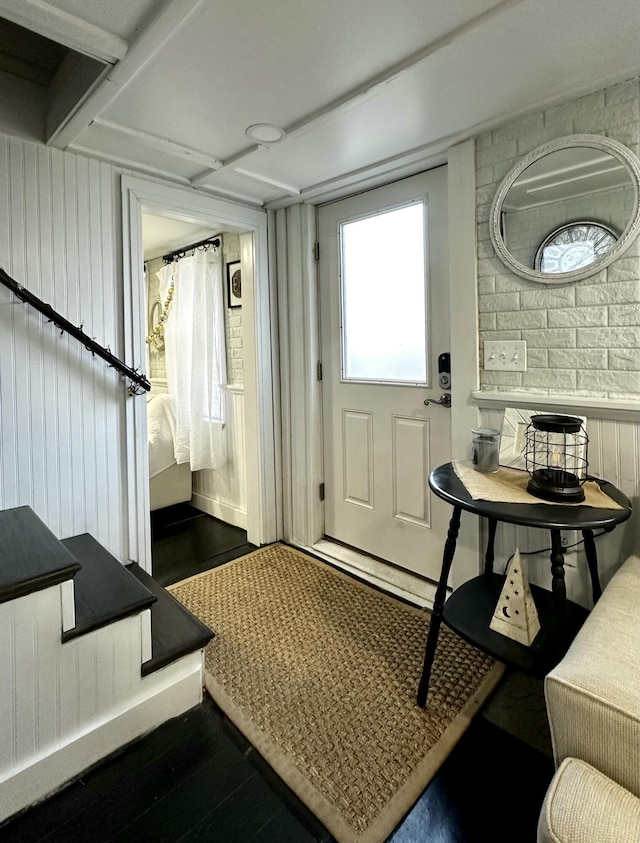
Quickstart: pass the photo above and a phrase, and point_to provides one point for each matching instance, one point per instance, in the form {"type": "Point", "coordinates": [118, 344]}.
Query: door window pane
{"type": "Point", "coordinates": [383, 281]}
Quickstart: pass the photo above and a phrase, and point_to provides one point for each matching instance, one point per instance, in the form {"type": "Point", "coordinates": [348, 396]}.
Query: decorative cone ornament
{"type": "Point", "coordinates": [516, 615]}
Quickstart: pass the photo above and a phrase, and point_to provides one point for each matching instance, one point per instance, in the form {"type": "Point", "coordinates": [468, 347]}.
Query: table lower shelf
{"type": "Point", "coordinates": [469, 610]}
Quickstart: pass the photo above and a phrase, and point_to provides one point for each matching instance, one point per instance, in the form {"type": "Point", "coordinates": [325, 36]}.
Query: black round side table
{"type": "Point", "coordinates": [469, 609]}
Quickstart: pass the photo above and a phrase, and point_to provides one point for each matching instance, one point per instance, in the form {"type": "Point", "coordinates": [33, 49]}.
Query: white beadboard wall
{"type": "Point", "coordinates": [65, 705]}
{"type": "Point", "coordinates": [614, 454]}
{"type": "Point", "coordinates": [222, 492]}
{"type": "Point", "coordinates": [61, 411]}
{"type": "Point", "coordinates": [58, 688]}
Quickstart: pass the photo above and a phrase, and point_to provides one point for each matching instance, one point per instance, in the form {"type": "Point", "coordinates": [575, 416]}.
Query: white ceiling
{"type": "Point", "coordinates": [161, 235]}
{"type": "Point", "coordinates": [367, 90]}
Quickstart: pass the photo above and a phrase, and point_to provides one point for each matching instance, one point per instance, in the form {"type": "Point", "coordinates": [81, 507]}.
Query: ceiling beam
{"type": "Point", "coordinates": [176, 150]}
{"type": "Point", "coordinates": [287, 188]}
{"type": "Point", "coordinates": [127, 163]}
{"type": "Point", "coordinates": [158, 31]}
{"type": "Point", "coordinates": [63, 28]}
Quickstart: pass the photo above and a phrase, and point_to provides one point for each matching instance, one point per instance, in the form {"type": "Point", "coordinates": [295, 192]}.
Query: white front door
{"type": "Point", "coordinates": [384, 299]}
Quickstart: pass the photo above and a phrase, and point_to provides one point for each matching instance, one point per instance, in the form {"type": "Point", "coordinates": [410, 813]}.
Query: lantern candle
{"type": "Point", "coordinates": [555, 457]}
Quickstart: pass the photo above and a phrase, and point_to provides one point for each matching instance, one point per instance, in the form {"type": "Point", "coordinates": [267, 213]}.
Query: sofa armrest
{"type": "Point", "coordinates": [583, 804]}
{"type": "Point", "coordinates": [593, 694]}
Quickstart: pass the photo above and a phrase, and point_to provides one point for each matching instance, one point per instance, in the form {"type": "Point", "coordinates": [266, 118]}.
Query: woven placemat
{"type": "Point", "coordinates": [509, 485]}
{"type": "Point", "coordinates": [320, 673]}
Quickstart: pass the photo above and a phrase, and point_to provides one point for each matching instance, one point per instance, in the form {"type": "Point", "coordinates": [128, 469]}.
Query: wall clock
{"type": "Point", "coordinates": [574, 245]}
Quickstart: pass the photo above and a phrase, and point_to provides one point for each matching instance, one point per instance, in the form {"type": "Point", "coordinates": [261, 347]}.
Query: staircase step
{"type": "Point", "coordinates": [175, 632]}
{"type": "Point", "coordinates": [31, 557]}
{"type": "Point", "coordinates": [105, 591]}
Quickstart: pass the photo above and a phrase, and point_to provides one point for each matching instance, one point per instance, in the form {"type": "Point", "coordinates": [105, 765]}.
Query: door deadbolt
{"type": "Point", "coordinates": [444, 370]}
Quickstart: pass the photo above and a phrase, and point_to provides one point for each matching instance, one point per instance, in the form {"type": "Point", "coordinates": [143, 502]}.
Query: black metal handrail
{"type": "Point", "coordinates": [138, 381]}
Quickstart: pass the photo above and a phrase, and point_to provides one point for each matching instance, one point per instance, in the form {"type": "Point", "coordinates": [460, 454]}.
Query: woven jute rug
{"type": "Point", "coordinates": [320, 673]}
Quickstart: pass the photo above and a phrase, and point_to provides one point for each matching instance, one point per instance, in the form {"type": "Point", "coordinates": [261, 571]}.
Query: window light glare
{"type": "Point", "coordinates": [383, 296]}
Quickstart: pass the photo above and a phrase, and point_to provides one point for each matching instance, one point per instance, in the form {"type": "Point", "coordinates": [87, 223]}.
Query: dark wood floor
{"type": "Point", "coordinates": [197, 778]}
{"type": "Point", "coordinates": [186, 541]}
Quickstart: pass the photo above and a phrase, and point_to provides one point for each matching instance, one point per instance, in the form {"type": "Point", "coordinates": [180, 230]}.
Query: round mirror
{"type": "Point", "coordinates": [568, 209]}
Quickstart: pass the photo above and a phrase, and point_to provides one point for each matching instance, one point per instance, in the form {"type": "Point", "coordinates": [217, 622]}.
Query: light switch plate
{"type": "Point", "coordinates": [505, 356]}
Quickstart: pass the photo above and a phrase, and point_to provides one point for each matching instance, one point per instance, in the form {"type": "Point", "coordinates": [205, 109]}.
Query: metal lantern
{"type": "Point", "coordinates": [556, 458]}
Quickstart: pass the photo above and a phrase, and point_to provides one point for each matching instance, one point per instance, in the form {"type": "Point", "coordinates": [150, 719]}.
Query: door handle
{"type": "Point", "coordinates": [444, 400]}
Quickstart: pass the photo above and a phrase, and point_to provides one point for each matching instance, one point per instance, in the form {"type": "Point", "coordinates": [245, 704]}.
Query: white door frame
{"type": "Point", "coordinates": [300, 352]}
{"type": "Point", "coordinates": [263, 502]}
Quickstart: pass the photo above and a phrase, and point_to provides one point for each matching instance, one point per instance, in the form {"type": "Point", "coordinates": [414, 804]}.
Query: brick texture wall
{"type": "Point", "coordinates": [583, 338]}
{"type": "Point", "coordinates": [232, 315]}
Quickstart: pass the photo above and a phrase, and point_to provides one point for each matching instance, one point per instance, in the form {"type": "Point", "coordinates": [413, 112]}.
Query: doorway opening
{"type": "Point", "coordinates": [198, 517]}
{"type": "Point", "coordinates": [257, 418]}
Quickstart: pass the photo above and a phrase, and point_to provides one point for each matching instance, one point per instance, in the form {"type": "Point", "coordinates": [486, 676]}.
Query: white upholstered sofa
{"type": "Point", "coordinates": [593, 705]}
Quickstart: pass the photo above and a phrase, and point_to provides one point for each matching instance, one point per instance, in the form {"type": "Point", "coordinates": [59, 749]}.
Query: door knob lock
{"type": "Point", "coordinates": [444, 400]}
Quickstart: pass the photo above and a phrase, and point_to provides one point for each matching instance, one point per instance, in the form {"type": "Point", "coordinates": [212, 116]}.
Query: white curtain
{"type": "Point", "coordinates": [195, 356]}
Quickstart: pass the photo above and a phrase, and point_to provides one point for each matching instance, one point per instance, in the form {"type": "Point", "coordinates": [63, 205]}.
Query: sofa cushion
{"type": "Point", "coordinates": [593, 694]}
{"type": "Point", "coordinates": [582, 805]}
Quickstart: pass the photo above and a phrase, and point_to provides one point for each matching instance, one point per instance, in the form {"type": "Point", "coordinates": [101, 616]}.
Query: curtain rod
{"type": "Point", "coordinates": [177, 254]}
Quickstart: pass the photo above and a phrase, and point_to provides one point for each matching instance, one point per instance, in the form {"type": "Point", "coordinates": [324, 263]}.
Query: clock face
{"type": "Point", "coordinates": [573, 246]}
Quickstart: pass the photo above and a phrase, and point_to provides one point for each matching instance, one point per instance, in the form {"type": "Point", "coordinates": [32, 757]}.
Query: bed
{"type": "Point", "coordinates": [169, 483]}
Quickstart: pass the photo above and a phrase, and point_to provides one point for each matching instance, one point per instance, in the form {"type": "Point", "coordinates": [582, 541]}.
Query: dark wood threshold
{"type": "Point", "coordinates": [105, 591]}
{"type": "Point", "coordinates": [31, 557]}
{"type": "Point", "coordinates": [175, 632]}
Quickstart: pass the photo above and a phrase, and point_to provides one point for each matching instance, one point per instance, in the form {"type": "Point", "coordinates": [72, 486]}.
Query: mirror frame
{"type": "Point", "coordinates": [154, 321]}
{"type": "Point", "coordinates": [614, 148]}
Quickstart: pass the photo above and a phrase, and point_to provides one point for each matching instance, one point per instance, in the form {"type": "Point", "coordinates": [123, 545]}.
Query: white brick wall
{"type": "Point", "coordinates": [584, 337]}
{"type": "Point", "coordinates": [233, 316]}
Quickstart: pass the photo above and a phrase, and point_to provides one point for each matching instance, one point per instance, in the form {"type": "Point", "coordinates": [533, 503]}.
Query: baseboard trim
{"type": "Point", "coordinates": [180, 690]}
{"type": "Point", "coordinates": [224, 511]}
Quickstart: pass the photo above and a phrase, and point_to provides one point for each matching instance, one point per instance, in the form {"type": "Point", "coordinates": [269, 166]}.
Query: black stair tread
{"type": "Point", "coordinates": [175, 632]}
{"type": "Point", "coordinates": [31, 556]}
{"type": "Point", "coordinates": [105, 591]}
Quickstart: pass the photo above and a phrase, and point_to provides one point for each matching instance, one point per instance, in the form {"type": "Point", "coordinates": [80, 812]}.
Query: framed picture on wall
{"type": "Point", "coordinates": [234, 284]}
